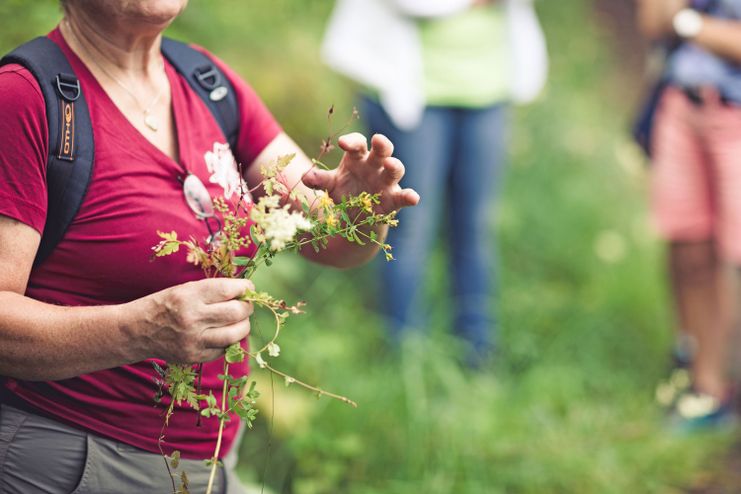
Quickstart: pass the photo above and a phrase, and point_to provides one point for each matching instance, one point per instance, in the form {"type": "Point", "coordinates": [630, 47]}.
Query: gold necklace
{"type": "Point", "coordinates": [149, 120]}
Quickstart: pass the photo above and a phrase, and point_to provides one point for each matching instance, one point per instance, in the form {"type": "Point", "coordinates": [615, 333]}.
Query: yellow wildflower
{"type": "Point", "coordinates": [367, 203]}
{"type": "Point", "coordinates": [331, 221]}
{"type": "Point", "coordinates": [325, 201]}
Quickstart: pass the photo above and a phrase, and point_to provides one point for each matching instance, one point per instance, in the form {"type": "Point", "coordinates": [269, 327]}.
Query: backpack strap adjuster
{"type": "Point", "coordinates": [208, 77]}
{"type": "Point", "coordinates": [209, 82]}
{"type": "Point", "coordinates": [68, 87]}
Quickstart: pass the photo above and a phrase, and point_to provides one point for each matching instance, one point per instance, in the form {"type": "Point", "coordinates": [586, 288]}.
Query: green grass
{"type": "Point", "coordinates": [585, 326]}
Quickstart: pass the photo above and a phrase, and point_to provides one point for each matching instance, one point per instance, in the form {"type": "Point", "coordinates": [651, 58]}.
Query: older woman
{"type": "Point", "coordinates": [77, 330]}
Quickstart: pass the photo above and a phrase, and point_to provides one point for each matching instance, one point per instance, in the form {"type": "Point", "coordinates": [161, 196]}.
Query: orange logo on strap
{"type": "Point", "coordinates": [67, 138]}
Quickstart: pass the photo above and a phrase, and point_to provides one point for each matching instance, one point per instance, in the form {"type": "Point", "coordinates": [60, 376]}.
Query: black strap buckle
{"type": "Point", "coordinates": [208, 77]}
{"type": "Point", "coordinates": [68, 87]}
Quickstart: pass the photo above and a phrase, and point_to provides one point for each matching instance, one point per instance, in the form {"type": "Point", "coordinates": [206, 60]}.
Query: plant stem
{"type": "Point", "coordinates": [222, 421]}
{"type": "Point", "coordinates": [162, 439]}
{"type": "Point", "coordinates": [318, 391]}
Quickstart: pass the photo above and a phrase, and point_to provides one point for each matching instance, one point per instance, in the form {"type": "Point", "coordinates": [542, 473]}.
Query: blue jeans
{"type": "Point", "coordinates": [453, 159]}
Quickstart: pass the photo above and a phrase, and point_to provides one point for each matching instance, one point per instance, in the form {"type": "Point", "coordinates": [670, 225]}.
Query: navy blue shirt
{"type": "Point", "coordinates": [692, 66]}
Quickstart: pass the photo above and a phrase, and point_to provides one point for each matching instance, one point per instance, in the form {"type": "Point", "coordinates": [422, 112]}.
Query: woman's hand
{"type": "Point", "coordinates": [362, 170]}
{"type": "Point", "coordinates": [195, 321]}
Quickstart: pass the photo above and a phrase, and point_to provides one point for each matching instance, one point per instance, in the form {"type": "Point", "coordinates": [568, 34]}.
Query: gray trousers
{"type": "Point", "coordinates": [39, 455]}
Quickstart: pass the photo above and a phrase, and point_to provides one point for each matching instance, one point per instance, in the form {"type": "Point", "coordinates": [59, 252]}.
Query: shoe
{"type": "Point", "coordinates": [678, 383]}
{"type": "Point", "coordinates": [679, 380]}
{"type": "Point", "coordinates": [694, 411]}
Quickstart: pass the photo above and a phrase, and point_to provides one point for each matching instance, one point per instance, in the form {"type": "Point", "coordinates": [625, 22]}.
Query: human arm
{"type": "Point", "coordinates": [360, 170]}
{"type": "Point", "coordinates": [39, 341]}
{"type": "Point", "coordinates": [719, 36]}
{"type": "Point", "coordinates": [261, 142]}
{"type": "Point", "coordinates": [655, 17]}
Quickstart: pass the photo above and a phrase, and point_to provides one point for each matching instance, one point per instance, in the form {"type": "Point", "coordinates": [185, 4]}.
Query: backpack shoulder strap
{"type": "Point", "coordinates": [71, 147]}
{"type": "Point", "coordinates": [209, 82]}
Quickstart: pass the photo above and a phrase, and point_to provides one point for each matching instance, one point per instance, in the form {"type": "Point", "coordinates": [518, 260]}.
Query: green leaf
{"type": "Point", "coordinates": [252, 393]}
{"type": "Point", "coordinates": [172, 236]}
{"type": "Point", "coordinates": [167, 249]}
{"type": "Point", "coordinates": [234, 353]}
{"type": "Point", "coordinates": [210, 461]}
{"type": "Point", "coordinates": [247, 414]}
{"type": "Point", "coordinates": [358, 240]}
{"type": "Point", "coordinates": [175, 459]}
{"type": "Point", "coordinates": [285, 160]}
{"type": "Point", "coordinates": [242, 261]}
{"type": "Point", "coordinates": [241, 413]}
{"type": "Point", "coordinates": [211, 400]}
{"type": "Point", "coordinates": [254, 234]}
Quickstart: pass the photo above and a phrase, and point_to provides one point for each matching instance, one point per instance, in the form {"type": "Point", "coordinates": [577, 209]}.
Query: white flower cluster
{"type": "Point", "coordinates": [277, 224]}
{"type": "Point", "coordinates": [223, 169]}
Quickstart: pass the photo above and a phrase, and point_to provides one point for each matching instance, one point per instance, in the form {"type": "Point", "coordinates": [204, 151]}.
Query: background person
{"type": "Point", "coordinates": [695, 183]}
{"type": "Point", "coordinates": [77, 332]}
{"type": "Point", "coordinates": [453, 66]}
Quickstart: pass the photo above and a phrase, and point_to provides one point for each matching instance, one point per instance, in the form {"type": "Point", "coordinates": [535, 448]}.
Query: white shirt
{"type": "Point", "coordinates": [376, 43]}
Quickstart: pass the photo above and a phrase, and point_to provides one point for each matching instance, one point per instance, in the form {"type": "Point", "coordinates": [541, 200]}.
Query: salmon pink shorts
{"type": "Point", "coordinates": [696, 171]}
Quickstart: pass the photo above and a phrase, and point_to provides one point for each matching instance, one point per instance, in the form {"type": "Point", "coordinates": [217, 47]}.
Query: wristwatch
{"type": "Point", "coordinates": [687, 23]}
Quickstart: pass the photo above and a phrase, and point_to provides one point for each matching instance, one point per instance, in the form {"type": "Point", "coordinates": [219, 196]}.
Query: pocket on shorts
{"type": "Point", "coordinates": [39, 455]}
{"type": "Point", "coordinates": [81, 486]}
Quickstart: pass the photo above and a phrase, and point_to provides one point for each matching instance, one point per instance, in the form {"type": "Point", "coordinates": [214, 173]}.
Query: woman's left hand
{"type": "Point", "coordinates": [361, 170]}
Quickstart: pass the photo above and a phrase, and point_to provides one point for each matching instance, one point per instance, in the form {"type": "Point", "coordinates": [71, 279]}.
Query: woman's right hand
{"type": "Point", "coordinates": [195, 321]}
{"type": "Point", "coordinates": [188, 323]}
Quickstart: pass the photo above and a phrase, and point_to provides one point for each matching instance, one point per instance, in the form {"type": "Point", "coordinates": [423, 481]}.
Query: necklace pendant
{"type": "Point", "coordinates": [152, 123]}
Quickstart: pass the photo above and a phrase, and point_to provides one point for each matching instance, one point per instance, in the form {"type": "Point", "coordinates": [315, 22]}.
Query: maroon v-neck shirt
{"type": "Point", "coordinates": [105, 256]}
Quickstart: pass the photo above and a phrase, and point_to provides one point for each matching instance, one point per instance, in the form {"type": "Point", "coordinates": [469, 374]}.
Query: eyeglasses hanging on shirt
{"type": "Point", "coordinates": [199, 201]}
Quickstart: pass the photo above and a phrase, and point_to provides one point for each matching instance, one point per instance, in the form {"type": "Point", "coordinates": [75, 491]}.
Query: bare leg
{"type": "Point", "coordinates": [703, 295]}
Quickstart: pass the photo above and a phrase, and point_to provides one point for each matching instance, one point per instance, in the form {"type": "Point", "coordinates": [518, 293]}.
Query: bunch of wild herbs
{"type": "Point", "coordinates": [271, 226]}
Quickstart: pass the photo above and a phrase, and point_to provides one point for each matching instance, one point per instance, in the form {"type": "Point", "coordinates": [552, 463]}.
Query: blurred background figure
{"type": "Point", "coordinates": [696, 192]}
{"type": "Point", "coordinates": [437, 78]}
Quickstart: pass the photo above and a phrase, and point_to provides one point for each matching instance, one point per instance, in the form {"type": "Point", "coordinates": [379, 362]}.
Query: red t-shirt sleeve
{"type": "Point", "coordinates": [258, 127]}
{"type": "Point", "coordinates": [23, 147]}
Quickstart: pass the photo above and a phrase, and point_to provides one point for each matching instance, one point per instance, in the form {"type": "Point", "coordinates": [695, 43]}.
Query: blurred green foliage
{"type": "Point", "coordinates": [568, 406]}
